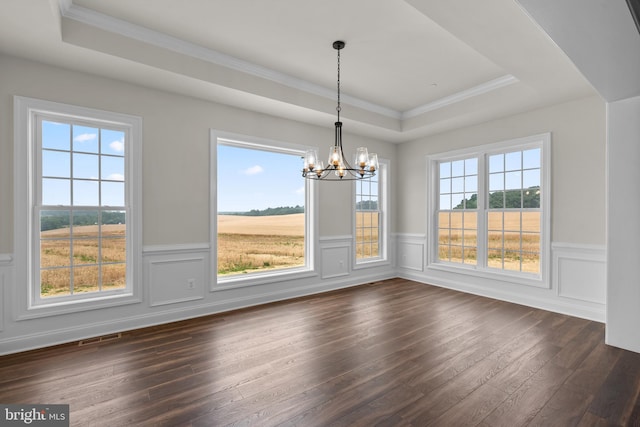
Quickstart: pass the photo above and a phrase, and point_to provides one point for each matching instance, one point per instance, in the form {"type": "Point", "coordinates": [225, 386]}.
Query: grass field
{"type": "Point", "coordinates": [516, 248]}
{"type": "Point", "coordinates": [251, 243]}
{"type": "Point", "coordinates": [56, 250]}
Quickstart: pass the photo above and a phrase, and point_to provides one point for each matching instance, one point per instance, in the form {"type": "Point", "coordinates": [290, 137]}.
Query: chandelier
{"type": "Point", "coordinates": [337, 167]}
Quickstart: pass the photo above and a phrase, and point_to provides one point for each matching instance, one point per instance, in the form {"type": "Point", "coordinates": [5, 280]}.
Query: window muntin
{"type": "Point", "coordinates": [260, 181]}
{"type": "Point", "coordinates": [511, 207]}
{"type": "Point", "coordinates": [81, 247]}
{"type": "Point", "coordinates": [457, 211]}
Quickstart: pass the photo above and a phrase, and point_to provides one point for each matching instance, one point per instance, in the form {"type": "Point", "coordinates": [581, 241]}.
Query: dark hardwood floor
{"type": "Point", "coordinates": [394, 353]}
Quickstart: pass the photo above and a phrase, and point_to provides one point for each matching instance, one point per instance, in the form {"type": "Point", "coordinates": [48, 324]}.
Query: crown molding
{"type": "Point", "coordinates": [461, 96]}
{"type": "Point", "coordinates": [118, 26]}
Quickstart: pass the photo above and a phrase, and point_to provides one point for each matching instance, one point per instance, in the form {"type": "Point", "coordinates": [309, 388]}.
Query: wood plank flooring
{"type": "Point", "coordinates": [390, 353]}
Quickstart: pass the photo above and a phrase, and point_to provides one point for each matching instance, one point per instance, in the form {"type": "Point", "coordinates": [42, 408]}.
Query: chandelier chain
{"type": "Point", "coordinates": [338, 108]}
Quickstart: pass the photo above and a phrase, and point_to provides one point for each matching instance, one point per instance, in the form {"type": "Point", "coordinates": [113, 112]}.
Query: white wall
{"type": "Point", "coordinates": [623, 239]}
{"type": "Point", "coordinates": [577, 284]}
{"type": "Point", "coordinates": [176, 217]}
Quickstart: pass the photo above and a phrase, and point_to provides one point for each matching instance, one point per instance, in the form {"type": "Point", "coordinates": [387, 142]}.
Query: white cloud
{"type": "Point", "coordinates": [116, 177]}
{"type": "Point", "coordinates": [117, 146]}
{"type": "Point", "coordinates": [300, 190]}
{"type": "Point", "coordinates": [85, 137]}
{"type": "Point", "coordinates": [253, 170]}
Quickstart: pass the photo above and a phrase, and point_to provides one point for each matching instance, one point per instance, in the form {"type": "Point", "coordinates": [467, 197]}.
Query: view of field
{"type": "Point", "coordinates": [517, 248]}
{"type": "Point", "coordinates": [56, 250]}
{"type": "Point", "coordinates": [367, 224]}
{"type": "Point", "coordinates": [250, 243]}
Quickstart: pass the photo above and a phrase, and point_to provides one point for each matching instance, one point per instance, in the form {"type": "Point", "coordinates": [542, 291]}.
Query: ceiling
{"type": "Point", "coordinates": [410, 68]}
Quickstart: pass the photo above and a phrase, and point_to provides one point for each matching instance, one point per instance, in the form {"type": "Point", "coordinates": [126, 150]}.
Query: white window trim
{"type": "Point", "coordinates": [25, 173]}
{"type": "Point", "coordinates": [542, 280]}
{"type": "Point", "coordinates": [311, 217]}
{"type": "Point", "coordinates": [383, 234]}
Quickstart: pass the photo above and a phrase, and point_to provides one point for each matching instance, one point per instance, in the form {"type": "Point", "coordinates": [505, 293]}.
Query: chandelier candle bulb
{"type": "Point", "coordinates": [373, 162]}
{"type": "Point", "coordinates": [362, 157]}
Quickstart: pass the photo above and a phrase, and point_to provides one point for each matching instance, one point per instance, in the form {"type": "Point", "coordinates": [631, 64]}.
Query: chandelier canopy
{"type": "Point", "coordinates": [337, 167]}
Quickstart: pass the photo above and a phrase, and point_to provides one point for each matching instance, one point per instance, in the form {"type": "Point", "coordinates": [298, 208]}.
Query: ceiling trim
{"type": "Point", "coordinates": [461, 96]}
{"type": "Point", "coordinates": [118, 26]}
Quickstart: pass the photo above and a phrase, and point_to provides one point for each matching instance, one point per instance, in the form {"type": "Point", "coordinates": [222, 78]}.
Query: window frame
{"type": "Point", "coordinates": [311, 219]}
{"type": "Point", "coordinates": [383, 220]}
{"type": "Point", "coordinates": [28, 112]}
{"type": "Point", "coordinates": [482, 152]}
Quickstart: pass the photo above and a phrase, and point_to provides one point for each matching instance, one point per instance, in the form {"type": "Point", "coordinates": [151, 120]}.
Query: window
{"type": "Point", "coordinates": [491, 208]}
{"type": "Point", "coordinates": [370, 216]}
{"type": "Point", "coordinates": [82, 221]}
{"type": "Point", "coordinates": [263, 210]}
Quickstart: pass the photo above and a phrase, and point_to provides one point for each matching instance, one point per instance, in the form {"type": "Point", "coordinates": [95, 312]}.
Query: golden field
{"type": "Point", "coordinates": [518, 252]}
{"type": "Point", "coordinates": [55, 251]}
{"type": "Point", "coordinates": [250, 243]}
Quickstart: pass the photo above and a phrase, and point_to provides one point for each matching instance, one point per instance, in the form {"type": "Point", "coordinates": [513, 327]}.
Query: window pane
{"type": "Point", "coordinates": [85, 251]}
{"type": "Point", "coordinates": [457, 168]}
{"type": "Point", "coordinates": [56, 164]}
{"type": "Point", "coordinates": [85, 166]}
{"type": "Point", "coordinates": [471, 200]}
{"type": "Point", "coordinates": [494, 258]}
{"type": "Point", "coordinates": [112, 168]}
{"type": "Point", "coordinates": [513, 180]}
{"type": "Point", "coordinates": [513, 199]}
{"type": "Point", "coordinates": [531, 221]}
{"type": "Point", "coordinates": [512, 260]}
{"type": "Point", "coordinates": [112, 249]}
{"type": "Point", "coordinates": [85, 193]}
{"type": "Point", "coordinates": [496, 200]}
{"type": "Point", "coordinates": [531, 242]}
{"type": "Point", "coordinates": [445, 186]}
{"type": "Point", "coordinates": [54, 224]}
{"type": "Point", "coordinates": [85, 139]}
{"type": "Point", "coordinates": [55, 282]}
{"type": "Point", "coordinates": [495, 220]}
{"type": "Point", "coordinates": [457, 200]}
{"type": "Point", "coordinates": [513, 161]}
{"type": "Point", "coordinates": [443, 236]}
{"type": "Point", "coordinates": [470, 256]}
{"type": "Point", "coordinates": [56, 192]}
{"type": "Point", "coordinates": [471, 184]}
{"type": "Point", "coordinates": [443, 220]}
{"type": "Point", "coordinates": [86, 279]}
{"type": "Point", "coordinates": [55, 252]}
{"type": "Point", "coordinates": [496, 163]}
{"type": "Point", "coordinates": [112, 193]}
{"type": "Point", "coordinates": [457, 185]}
{"type": "Point", "coordinates": [445, 170]}
{"type": "Point", "coordinates": [266, 196]}
{"type": "Point", "coordinates": [112, 142]}
{"type": "Point", "coordinates": [531, 263]}
{"type": "Point", "coordinates": [471, 166]}
{"type": "Point", "coordinates": [445, 202]}
{"type": "Point", "coordinates": [56, 135]}
{"type": "Point", "coordinates": [496, 182]}
{"type": "Point", "coordinates": [531, 178]}
{"type": "Point", "coordinates": [512, 221]}
{"type": "Point", "coordinates": [114, 277]}
{"type": "Point", "coordinates": [470, 220]}
{"type": "Point", "coordinates": [531, 158]}
{"type": "Point", "coordinates": [456, 220]}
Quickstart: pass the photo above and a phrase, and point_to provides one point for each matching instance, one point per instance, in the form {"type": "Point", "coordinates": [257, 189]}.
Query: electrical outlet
{"type": "Point", "coordinates": [191, 283]}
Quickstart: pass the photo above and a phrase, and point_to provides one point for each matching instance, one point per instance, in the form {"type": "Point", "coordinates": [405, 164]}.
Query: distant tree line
{"type": "Point", "coordinates": [527, 198]}
{"type": "Point", "coordinates": [282, 210]}
{"type": "Point", "coordinates": [52, 220]}
{"type": "Point", "coordinates": [367, 205]}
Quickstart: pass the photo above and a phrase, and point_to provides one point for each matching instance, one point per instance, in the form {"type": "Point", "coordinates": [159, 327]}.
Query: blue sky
{"type": "Point", "coordinates": [87, 155]}
{"type": "Point", "coordinates": [254, 179]}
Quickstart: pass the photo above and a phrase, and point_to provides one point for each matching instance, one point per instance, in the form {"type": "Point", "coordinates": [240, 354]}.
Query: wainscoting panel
{"type": "Point", "coordinates": [579, 272]}
{"type": "Point", "coordinates": [174, 276]}
{"type": "Point", "coordinates": [335, 256]}
{"type": "Point", "coordinates": [411, 252]}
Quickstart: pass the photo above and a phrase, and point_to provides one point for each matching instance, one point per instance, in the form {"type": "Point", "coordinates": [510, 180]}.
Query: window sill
{"type": "Point", "coordinates": [371, 263]}
{"type": "Point", "coordinates": [56, 308]}
{"type": "Point", "coordinates": [256, 279]}
{"type": "Point", "coordinates": [526, 279]}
